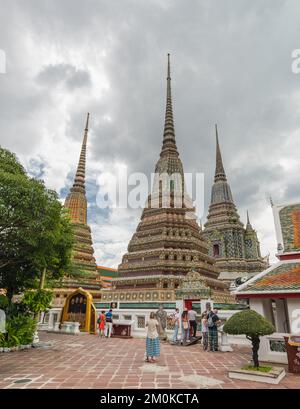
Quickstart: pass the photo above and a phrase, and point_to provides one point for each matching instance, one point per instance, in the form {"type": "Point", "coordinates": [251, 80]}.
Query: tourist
{"type": "Point", "coordinates": [192, 323]}
{"type": "Point", "coordinates": [212, 322]}
{"type": "Point", "coordinates": [184, 326]}
{"type": "Point", "coordinates": [152, 340]}
{"type": "Point", "coordinates": [176, 321]}
{"type": "Point", "coordinates": [101, 323]}
{"type": "Point", "coordinates": [204, 330]}
{"type": "Point", "coordinates": [109, 323]}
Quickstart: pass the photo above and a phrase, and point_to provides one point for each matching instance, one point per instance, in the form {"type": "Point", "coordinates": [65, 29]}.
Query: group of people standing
{"type": "Point", "coordinates": [105, 324]}
{"type": "Point", "coordinates": [156, 329]}
{"type": "Point", "coordinates": [188, 321]}
{"type": "Point", "coordinates": [209, 327]}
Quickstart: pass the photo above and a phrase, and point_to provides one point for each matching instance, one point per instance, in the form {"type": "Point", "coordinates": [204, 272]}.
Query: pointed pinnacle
{"type": "Point", "coordinates": [79, 180]}
{"type": "Point", "coordinates": [169, 144]}
{"type": "Point", "coordinates": [87, 122]}
{"type": "Point", "coordinates": [220, 172]}
{"type": "Point", "coordinates": [169, 70]}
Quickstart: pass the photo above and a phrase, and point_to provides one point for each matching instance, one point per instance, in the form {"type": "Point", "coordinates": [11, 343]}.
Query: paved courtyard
{"type": "Point", "coordinates": [85, 361]}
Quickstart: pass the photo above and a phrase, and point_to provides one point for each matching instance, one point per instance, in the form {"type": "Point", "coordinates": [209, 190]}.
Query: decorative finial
{"type": "Point", "coordinates": [169, 70]}
{"type": "Point", "coordinates": [271, 201]}
{"type": "Point", "coordinates": [248, 221]}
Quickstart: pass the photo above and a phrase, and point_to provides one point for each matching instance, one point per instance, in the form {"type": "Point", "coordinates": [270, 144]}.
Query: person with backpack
{"type": "Point", "coordinates": [101, 324]}
{"type": "Point", "coordinates": [212, 322]}
{"type": "Point", "coordinates": [109, 323]}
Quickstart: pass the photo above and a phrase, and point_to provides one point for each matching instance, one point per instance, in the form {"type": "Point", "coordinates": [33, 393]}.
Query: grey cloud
{"type": "Point", "coordinates": [230, 64]}
{"type": "Point", "coordinates": [64, 74]}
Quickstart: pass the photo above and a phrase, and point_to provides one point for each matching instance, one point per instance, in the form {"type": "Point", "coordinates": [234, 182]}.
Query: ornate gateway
{"type": "Point", "coordinates": [193, 287]}
{"type": "Point", "coordinates": [79, 307]}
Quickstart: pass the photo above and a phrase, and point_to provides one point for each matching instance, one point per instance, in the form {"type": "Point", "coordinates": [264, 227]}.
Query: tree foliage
{"type": "Point", "coordinates": [37, 300]}
{"type": "Point", "coordinates": [251, 324]}
{"type": "Point", "coordinates": [20, 329]}
{"type": "Point", "coordinates": [35, 231]}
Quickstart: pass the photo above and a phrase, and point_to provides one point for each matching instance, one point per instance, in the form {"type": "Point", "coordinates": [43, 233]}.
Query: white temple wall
{"type": "Point", "coordinates": [293, 307]}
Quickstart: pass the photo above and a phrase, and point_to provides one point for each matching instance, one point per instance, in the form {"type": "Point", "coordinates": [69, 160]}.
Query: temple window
{"type": "Point", "coordinates": [183, 257]}
{"type": "Point", "coordinates": [141, 321]}
{"type": "Point", "coordinates": [216, 250]}
{"type": "Point", "coordinates": [165, 285]}
{"type": "Point", "coordinates": [175, 257]}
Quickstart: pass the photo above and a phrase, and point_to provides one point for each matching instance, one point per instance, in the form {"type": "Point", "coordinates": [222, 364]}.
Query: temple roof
{"type": "Point", "coordinates": [107, 271]}
{"type": "Point", "coordinates": [283, 277]}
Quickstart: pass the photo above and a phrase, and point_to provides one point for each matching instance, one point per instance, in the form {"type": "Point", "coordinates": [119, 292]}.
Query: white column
{"type": "Point", "coordinates": [293, 306]}
{"type": "Point", "coordinates": [281, 324]}
{"type": "Point", "coordinates": [267, 310]}
{"type": "Point", "coordinates": [257, 305]}
{"type": "Point", "coordinates": [51, 323]}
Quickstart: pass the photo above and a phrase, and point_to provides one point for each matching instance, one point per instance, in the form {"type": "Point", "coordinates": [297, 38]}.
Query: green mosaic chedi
{"type": "Point", "coordinates": [236, 248]}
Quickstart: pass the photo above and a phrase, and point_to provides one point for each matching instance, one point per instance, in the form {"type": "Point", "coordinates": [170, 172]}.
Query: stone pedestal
{"type": "Point", "coordinates": [56, 326]}
{"type": "Point", "coordinates": [224, 346]}
{"type": "Point", "coordinates": [36, 338]}
{"type": "Point", "coordinates": [70, 327]}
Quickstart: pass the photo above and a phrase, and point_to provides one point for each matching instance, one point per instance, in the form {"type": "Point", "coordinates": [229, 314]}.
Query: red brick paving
{"type": "Point", "coordinates": [86, 361]}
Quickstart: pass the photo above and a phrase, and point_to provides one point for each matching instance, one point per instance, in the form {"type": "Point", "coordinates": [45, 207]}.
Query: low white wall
{"type": "Point", "coordinates": [138, 319]}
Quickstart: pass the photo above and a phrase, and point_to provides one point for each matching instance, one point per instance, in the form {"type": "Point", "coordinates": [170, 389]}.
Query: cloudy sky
{"type": "Point", "coordinates": [231, 64]}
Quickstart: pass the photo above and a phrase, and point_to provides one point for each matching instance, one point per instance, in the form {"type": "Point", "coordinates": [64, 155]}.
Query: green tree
{"type": "Point", "coordinates": [37, 301]}
{"type": "Point", "coordinates": [36, 236]}
{"type": "Point", "coordinates": [251, 324]}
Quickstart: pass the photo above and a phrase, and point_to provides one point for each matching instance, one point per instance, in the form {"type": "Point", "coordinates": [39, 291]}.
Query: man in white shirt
{"type": "Point", "coordinates": [193, 323]}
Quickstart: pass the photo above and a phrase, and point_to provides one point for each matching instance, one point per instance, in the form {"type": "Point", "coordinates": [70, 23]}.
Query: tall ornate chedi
{"type": "Point", "coordinates": [76, 202]}
{"type": "Point", "coordinates": [167, 247]}
{"type": "Point", "coordinates": [235, 248]}
{"type": "Point", "coordinates": [168, 239]}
